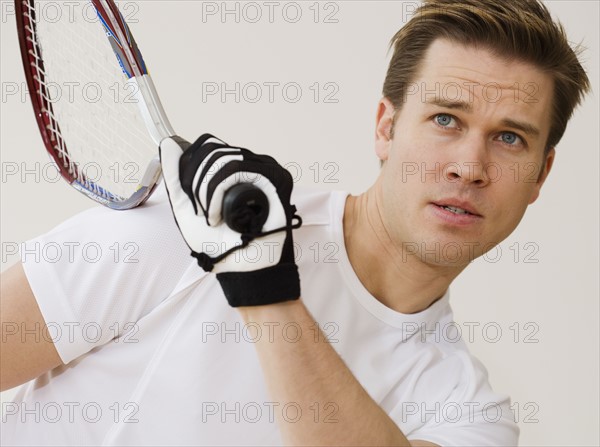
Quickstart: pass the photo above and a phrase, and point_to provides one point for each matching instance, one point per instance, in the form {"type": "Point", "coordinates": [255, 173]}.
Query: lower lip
{"type": "Point", "coordinates": [452, 218]}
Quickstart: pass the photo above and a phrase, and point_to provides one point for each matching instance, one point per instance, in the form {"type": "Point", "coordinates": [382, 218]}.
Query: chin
{"type": "Point", "coordinates": [449, 262]}
{"type": "Point", "coordinates": [447, 251]}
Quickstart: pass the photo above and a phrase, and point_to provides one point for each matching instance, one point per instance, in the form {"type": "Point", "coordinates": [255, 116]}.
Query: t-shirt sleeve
{"type": "Point", "coordinates": [472, 415]}
{"type": "Point", "coordinates": [99, 272]}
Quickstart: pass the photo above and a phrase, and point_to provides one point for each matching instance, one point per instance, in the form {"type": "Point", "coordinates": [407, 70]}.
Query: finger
{"type": "Point", "coordinates": [214, 212]}
{"type": "Point", "coordinates": [189, 162]}
{"type": "Point", "coordinates": [204, 175]}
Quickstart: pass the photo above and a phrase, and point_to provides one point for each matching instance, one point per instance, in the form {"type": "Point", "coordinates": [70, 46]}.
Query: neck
{"type": "Point", "coordinates": [400, 280]}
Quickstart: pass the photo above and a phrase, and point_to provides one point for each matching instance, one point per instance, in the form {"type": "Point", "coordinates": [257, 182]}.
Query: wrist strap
{"type": "Point", "coordinates": [271, 285]}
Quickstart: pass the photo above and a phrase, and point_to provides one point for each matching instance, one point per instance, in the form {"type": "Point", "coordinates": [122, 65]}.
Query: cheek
{"type": "Point", "coordinates": [410, 155]}
{"type": "Point", "coordinates": [512, 199]}
{"type": "Point", "coordinates": [518, 180]}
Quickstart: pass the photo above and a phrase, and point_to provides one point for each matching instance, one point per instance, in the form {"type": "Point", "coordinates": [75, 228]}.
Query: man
{"type": "Point", "coordinates": [310, 353]}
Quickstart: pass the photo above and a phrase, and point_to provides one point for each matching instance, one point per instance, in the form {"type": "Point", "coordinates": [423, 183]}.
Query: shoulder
{"type": "Point", "coordinates": [150, 228]}
{"type": "Point", "coordinates": [155, 212]}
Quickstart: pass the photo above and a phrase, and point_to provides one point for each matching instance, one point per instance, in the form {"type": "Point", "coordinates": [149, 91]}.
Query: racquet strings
{"type": "Point", "coordinates": [98, 130]}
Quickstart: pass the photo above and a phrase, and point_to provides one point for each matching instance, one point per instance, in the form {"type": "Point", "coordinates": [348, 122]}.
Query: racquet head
{"type": "Point", "coordinates": [96, 107]}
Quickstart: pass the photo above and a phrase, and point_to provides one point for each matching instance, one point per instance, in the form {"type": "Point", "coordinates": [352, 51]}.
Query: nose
{"type": "Point", "coordinates": [469, 162]}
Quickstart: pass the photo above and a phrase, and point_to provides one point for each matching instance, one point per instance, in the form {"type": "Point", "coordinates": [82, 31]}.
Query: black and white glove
{"type": "Point", "coordinates": [198, 178]}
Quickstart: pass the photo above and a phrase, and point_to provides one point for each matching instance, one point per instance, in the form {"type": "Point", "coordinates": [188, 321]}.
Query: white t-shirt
{"type": "Point", "coordinates": [155, 356]}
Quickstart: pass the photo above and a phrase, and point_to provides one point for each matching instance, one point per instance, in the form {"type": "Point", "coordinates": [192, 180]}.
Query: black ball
{"type": "Point", "coordinates": [245, 208]}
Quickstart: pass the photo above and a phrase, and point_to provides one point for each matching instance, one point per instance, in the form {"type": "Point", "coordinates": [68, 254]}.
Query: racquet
{"type": "Point", "coordinates": [96, 106]}
{"type": "Point", "coordinates": [115, 139]}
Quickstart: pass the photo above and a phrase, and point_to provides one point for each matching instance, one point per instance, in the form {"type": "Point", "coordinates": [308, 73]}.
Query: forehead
{"type": "Point", "coordinates": [475, 75]}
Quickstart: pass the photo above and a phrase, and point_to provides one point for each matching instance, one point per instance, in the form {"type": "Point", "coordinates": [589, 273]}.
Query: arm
{"type": "Point", "coordinates": [267, 290]}
{"type": "Point", "coordinates": [25, 356]}
{"type": "Point", "coordinates": [309, 371]}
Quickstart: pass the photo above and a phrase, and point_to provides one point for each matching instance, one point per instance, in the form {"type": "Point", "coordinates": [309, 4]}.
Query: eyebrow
{"type": "Point", "coordinates": [459, 105]}
{"type": "Point", "coordinates": [463, 106]}
{"type": "Point", "coordinates": [527, 128]}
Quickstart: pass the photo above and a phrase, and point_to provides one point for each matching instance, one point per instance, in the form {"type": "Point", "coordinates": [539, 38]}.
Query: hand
{"type": "Point", "coordinates": [197, 178]}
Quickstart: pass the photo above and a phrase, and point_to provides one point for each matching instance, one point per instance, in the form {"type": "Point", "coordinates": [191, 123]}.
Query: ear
{"type": "Point", "coordinates": [383, 128]}
{"type": "Point", "coordinates": [543, 175]}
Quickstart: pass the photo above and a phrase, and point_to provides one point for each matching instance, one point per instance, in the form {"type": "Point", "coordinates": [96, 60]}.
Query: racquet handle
{"type": "Point", "coordinates": [245, 208]}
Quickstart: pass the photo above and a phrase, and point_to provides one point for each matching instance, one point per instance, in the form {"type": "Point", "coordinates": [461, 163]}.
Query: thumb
{"type": "Point", "coordinates": [170, 152]}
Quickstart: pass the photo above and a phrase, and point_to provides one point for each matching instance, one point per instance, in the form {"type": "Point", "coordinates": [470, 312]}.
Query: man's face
{"type": "Point", "coordinates": [470, 135]}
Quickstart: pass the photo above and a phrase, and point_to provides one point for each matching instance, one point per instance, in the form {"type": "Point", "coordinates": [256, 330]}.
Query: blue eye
{"type": "Point", "coordinates": [510, 138]}
{"type": "Point", "coordinates": [443, 119]}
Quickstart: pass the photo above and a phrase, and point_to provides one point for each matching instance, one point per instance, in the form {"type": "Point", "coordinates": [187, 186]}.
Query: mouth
{"type": "Point", "coordinates": [457, 208]}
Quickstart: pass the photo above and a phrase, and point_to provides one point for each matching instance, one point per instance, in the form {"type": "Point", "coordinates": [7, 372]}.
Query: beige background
{"type": "Point", "coordinates": [552, 303]}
